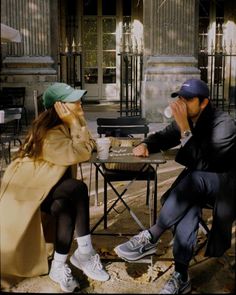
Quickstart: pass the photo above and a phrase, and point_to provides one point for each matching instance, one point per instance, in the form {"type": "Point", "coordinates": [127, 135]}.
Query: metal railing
{"type": "Point", "coordinates": [131, 70]}
{"type": "Point", "coordinates": [70, 68]}
{"type": "Point", "coordinates": [218, 70]}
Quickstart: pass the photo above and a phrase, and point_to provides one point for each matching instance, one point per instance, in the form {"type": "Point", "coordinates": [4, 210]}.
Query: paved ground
{"type": "Point", "coordinates": [209, 275]}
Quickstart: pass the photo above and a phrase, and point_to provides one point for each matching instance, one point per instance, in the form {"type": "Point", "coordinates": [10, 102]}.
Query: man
{"type": "Point", "coordinates": [207, 139]}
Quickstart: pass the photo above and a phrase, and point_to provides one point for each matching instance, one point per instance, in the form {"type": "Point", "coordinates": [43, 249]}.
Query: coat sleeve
{"type": "Point", "coordinates": [65, 148]}
{"type": "Point", "coordinates": [163, 140]}
{"type": "Point", "coordinates": [212, 149]}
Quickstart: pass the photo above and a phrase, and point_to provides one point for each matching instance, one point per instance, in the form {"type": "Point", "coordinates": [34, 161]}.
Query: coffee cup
{"type": "Point", "coordinates": [168, 112]}
{"type": "Point", "coordinates": [103, 146]}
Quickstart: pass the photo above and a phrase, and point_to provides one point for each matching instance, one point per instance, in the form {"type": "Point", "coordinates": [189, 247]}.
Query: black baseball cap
{"type": "Point", "coordinates": [193, 88]}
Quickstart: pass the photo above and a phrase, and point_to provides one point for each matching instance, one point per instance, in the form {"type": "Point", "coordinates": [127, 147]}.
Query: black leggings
{"type": "Point", "coordinates": [68, 202]}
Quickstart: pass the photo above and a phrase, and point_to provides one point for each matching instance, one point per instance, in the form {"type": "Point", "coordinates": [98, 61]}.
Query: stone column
{"type": "Point", "coordinates": [32, 62]}
{"type": "Point", "coordinates": [170, 52]}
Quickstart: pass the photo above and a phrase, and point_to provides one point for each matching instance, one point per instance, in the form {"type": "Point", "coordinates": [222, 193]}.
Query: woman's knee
{"type": "Point", "coordinates": [71, 188]}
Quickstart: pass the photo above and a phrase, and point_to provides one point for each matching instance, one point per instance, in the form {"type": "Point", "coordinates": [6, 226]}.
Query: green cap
{"type": "Point", "coordinates": [61, 92]}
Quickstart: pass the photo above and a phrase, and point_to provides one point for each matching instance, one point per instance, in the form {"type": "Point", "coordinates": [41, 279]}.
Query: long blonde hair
{"type": "Point", "coordinates": [33, 144]}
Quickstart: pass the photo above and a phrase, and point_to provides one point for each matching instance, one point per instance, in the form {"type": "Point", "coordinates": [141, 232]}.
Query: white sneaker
{"type": "Point", "coordinates": [61, 273]}
{"type": "Point", "coordinates": [90, 264]}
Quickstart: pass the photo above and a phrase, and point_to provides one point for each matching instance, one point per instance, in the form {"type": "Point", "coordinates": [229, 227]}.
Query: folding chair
{"type": "Point", "coordinates": [123, 127]}
{"type": "Point", "coordinates": [14, 97]}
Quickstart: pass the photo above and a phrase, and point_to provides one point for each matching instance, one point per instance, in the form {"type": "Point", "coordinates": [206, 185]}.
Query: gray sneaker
{"type": "Point", "coordinates": [176, 286]}
{"type": "Point", "coordinates": [137, 247]}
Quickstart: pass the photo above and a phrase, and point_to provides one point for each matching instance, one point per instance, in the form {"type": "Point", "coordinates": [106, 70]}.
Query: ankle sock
{"type": "Point", "coordinates": [85, 244]}
{"type": "Point", "coordinates": [59, 258]}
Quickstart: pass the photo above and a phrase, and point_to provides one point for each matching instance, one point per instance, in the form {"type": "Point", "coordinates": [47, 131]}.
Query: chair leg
{"type": "Point", "coordinates": [155, 200]}
{"type": "Point", "coordinates": [105, 204]}
{"type": "Point", "coordinates": [81, 172]}
{"type": "Point", "coordinates": [148, 192]}
{"type": "Point", "coordinates": [96, 187]}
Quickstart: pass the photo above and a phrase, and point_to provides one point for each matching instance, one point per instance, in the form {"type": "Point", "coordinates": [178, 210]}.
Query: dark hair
{"type": "Point", "coordinates": [201, 98]}
{"type": "Point", "coordinates": [33, 144]}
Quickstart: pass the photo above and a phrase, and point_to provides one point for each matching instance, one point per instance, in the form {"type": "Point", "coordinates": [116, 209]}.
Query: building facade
{"type": "Point", "coordinates": [126, 51]}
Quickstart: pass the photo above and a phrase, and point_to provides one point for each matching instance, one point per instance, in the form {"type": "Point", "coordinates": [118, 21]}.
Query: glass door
{"type": "Point", "coordinates": [100, 39]}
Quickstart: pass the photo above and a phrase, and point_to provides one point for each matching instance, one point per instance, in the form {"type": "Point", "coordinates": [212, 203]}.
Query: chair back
{"type": "Point", "coordinates": [38, 104]}
{"type": "Point", "coordinates": [122, 126]}
{"type": "Point", "coordinates": [13, 97]}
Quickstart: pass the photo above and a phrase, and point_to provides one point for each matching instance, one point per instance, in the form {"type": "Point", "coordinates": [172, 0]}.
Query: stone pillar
{"type": "Point", "coordinates": [33, 62]}
{"type": "Point", "coordinates": [170, 52]}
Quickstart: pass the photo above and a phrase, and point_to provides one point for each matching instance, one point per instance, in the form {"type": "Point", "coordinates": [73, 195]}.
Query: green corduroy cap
{"type": "Point", "coordinates": [61, 92]}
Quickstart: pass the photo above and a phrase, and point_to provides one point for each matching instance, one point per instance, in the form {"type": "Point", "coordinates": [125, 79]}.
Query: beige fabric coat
{"type": "Point", "coordinates": [25, 185]}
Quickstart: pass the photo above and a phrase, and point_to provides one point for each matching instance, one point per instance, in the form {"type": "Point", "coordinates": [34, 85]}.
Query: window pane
{"type": "Point", "coordinates": [91, 25]}
{"type": "Point", "coordinates": [109, 25]}
{"type": "Point", "coordinates": [109, 42]}
{"type": "Point", "coordinates": [109, 76]}
{"type": "Point", "coordinates": [90, 58]}
{"type": "Point", "coordinates": [109, 59]}
{"type": "Point", "coordinates": [126, 7]}
{"type": "Point", "coordinates": [109, 7]}
{"type": "Point", "coordinates": [90, 41]}
{"type": "Point", "coordinates": [91, 76]}
{"type": "Point", "coordinates": [90, 7]}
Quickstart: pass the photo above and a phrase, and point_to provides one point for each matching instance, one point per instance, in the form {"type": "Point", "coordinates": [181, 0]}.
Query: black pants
{"type": "Point", "coordinates": [68, 202]}
{"type": "Point", "coordinates": [182, 210]}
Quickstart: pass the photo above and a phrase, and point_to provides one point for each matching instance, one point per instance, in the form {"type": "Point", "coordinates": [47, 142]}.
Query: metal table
{"type": "Point", "coordinates": [125, 155]}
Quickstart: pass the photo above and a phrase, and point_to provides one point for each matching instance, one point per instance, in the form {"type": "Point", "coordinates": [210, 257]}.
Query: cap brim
{"type": "Point", "coordinates": [76, 95]}
{"type": "Point", "coordinates": [174, 94]}
{"type": "Point", "coordinates": [184, 94]}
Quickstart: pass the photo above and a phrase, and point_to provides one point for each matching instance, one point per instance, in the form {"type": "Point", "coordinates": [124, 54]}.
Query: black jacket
{"type": "Point", "coordinates": [211, 148]}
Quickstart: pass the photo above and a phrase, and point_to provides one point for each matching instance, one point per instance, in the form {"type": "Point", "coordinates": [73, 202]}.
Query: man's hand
{"type": "Point", "coordinates": [179, 110]}
{"type": "Point", "coordinates": [141, 150]}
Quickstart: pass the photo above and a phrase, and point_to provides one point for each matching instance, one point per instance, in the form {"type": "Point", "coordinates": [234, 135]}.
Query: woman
{"type": "Point", "coordinates": [42, 178]}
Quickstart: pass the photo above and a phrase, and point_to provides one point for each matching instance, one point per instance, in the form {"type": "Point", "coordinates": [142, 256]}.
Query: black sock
{"type": "Point", "coordinates": [155, 231]}
{"type": "Point", "coordinates": [183, 270]}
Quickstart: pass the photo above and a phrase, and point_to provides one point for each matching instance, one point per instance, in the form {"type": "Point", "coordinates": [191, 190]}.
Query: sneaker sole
{"type": "Point", "coordinates": [61, 286]}
{"type": "Point", "coordinates": [149, 252]}
{"type": "Point", "coordinates": [186, 290]}
{"type": "Point", "coordinates": [74, 261]}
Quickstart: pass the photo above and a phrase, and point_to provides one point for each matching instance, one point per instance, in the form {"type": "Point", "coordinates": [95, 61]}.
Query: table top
{"type": "Point", "coordinates": [125, 155]}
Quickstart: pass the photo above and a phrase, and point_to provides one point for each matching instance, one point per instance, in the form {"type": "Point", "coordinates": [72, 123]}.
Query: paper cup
{"type": "Point", "coordinates": [168, 112]}
{"type": "Point", "coordinates": [103, 147]}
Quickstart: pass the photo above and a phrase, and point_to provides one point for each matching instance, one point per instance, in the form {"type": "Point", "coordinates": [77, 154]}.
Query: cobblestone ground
{"type": "Point", "coordinates": [209, 275]}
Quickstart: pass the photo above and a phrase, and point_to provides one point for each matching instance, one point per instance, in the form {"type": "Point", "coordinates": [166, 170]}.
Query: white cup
{"type": "Point", "coordinates": [103, 146]}
{"type": "Point", "coordinates": [2, 115]}
{"type": "Point", "coordinates": [168, 112]}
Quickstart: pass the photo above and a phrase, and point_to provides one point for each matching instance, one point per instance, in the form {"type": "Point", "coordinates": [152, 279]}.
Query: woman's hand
{"type": "Point", "coordinates": [64, 113]}
{"type": "Point", "coordinates": [141, 151]}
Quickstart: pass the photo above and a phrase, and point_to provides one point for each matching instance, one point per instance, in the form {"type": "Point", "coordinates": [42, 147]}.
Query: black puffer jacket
{"type": "Point", "coordinates": [211, 148]}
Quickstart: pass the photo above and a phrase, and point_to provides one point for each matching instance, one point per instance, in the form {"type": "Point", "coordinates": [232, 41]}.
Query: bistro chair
{"type": "Point", "coordinates": [14, 97]}
{"type": "Point", "coordinates": [9, 133]}
{"type": "Point", "coordinates": [121, 128]}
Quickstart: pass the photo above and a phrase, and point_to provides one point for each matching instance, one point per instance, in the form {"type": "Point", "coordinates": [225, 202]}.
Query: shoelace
{"type": "Point", "coordinates": [67, 276]}
{"type": "Point", "coordinates": [143, 238]}
{"type": "Point", "coordinates": [96, 263]}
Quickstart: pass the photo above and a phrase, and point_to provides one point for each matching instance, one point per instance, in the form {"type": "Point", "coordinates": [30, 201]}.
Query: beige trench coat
{"type": "Point", "coordinates": [25, 185]}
